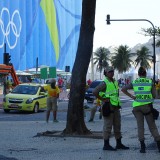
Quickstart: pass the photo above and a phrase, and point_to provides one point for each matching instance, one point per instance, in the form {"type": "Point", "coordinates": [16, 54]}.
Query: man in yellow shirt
{"type": "Point", "coordinates": [53, 95]}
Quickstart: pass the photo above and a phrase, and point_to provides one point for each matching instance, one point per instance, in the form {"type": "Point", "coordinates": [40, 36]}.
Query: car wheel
{"type": "Point", "coordinates": [36, 108]}
{"type": "Point", "coordinates": [6, 110]}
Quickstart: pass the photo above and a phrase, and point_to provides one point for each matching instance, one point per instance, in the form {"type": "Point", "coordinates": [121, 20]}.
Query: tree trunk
{"type": "Point", "coordinates": [75, 115]}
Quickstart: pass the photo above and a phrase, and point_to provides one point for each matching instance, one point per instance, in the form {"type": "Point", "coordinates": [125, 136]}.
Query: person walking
{"type": "Point", "coordinates": [144, 93]}
{"type": "Point", "coordinates": [110, 109]}
{"type": "Point", "coordinates": [8, 85]}
{"type": "Point", "coordinates": [53, 95]}
{"type": "Point", "coordinates": [97, 106]}
{"type": "Point", "coordinates": [158, 89]}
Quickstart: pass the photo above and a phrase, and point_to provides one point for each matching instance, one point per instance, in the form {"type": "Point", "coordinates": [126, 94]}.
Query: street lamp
{"type": "Point", "coordinates": [154, 46]}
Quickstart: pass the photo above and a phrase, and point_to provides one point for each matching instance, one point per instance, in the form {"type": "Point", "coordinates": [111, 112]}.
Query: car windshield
{"type": "Point", "coordinates": [94, 84]}
{"type": "Point", "coordinates": [25, 89]}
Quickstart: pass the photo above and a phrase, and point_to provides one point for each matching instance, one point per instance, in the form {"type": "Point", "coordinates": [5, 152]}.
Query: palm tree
{"type": "Point", "coordinates": [101, 58]}
{"type": "Point", "coordinates": [143, 57]}
{"type": "Point", "coordinates": [75, 114]}
{"type": "Point", "coordinates": [122, 58]}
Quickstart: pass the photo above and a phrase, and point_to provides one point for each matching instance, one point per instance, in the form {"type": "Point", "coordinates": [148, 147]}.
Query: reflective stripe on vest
{"type": "Point", "coordinates": [145, 84]}
{"type": "Point", "coordinates": [112, 92]}
{"type": "Point", "coordinates": [142, 89]}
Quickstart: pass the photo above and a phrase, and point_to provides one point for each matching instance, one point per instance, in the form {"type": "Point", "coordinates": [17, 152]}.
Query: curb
{"type": "Point", "coordinates": [93, 135]}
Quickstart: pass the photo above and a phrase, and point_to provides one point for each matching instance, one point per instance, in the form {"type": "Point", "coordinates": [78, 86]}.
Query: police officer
{"type": "Point", "coordinates": [110, 87]}
{"type": "Point", "coordinates": [144, 93]}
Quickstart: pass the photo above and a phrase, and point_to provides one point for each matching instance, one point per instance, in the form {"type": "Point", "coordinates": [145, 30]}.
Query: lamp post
{"type": "Point", "coordinates": [154, 46]}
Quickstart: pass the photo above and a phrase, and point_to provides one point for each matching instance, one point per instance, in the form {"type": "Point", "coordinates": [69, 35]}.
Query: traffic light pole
{"type": "Point", "coordinates": [154, 46]}
{"type": "Point", "coordinates": [6, 57]}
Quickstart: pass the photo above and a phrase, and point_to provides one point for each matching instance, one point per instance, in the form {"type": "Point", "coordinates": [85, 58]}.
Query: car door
{"type": "Point", "coordinates": [42, 98]}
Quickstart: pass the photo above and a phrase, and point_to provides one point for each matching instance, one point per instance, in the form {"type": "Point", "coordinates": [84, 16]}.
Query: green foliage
{"type": "Point", "coordinates": [143, 57]}
{"type": "Point", "coordinates": [122, 58]}
{"type": "Point", "coordinates": [150, 31]}
{"type": "Point", "coordinates": [101, 58]}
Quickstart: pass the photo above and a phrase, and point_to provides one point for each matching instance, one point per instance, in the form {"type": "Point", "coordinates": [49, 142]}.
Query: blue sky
{"type": "Point", "coordinates": [125, 33]}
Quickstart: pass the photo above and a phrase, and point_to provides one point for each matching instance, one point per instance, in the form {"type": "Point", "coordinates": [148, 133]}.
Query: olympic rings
{"type": "Point", "coordinates": [11, 25]}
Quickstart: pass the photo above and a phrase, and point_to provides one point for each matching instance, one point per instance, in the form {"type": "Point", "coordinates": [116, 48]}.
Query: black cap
{"type": "Point", "coordinates": [141, 70]}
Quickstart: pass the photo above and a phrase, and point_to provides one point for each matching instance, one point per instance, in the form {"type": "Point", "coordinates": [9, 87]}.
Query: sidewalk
{"type": "Point", "coordinates": [19, 140]}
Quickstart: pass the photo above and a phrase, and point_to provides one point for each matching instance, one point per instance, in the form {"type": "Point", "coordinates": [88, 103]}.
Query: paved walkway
{"type": "Point", "coordinates": [19, 141]}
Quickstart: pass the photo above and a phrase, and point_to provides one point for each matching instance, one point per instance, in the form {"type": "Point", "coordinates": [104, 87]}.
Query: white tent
{"type": "Point", "coordinates": [33, 71]}
{"type": "Point", "coordinates": [22, 73]}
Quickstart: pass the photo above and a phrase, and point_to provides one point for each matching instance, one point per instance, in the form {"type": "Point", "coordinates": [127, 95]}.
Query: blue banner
{"type": "Point", "coordinates": [44, 29]}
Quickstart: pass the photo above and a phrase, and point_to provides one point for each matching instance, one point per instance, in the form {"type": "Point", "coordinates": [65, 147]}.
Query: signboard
{"type": "Point", "coordinates": [52, 72]}
{"type": "Point", "coordinates": [44, 74]}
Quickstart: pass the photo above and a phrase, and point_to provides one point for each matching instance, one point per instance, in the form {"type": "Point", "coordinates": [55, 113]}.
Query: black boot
{"type": "Point", "coordinates": [107, 146]}
{"type": "Point", "coordinates": [143, 147]}
{"type": "Point", "coordinates": [158, 145]}
{"type": "Point", "coordinates": [120, 145]}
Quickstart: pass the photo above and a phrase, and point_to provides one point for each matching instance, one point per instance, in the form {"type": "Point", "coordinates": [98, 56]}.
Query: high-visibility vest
{"type": "Point", "coordinates": [142, 90]}
{"type": "Point", "coordinates": [112, 92]}
{"type": "Point", "coordinates": [102, 94]}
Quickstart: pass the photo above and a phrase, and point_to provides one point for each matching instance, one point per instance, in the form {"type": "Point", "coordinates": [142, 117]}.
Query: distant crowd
{"type": "Point", "coordinates": [123, 82]}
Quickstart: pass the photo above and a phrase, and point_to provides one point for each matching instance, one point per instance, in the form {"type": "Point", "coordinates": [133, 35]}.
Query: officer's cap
{"type": "Point", "coordinates": [109, 69]}
{"type": "Point", "coordinates": [141, 70]}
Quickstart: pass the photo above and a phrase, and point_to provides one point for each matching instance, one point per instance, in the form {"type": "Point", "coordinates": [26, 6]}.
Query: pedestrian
{"type": "Point", "coordinates": [8, 85]}
{"type": "Point", "coordinates": [53, 95]}
{"type": "Point", "coordinates": [89, 82]}
{"type": "Point", "coordinates": [60, 82]}
{"type": "Point", "coordinates": [157, 89]}
{"type": "Point", "coordinates": [110, 109]}
{"type": "Point", "coordinates": [96, 107]}
{"type": "Point", "coordinates": [144, 93]}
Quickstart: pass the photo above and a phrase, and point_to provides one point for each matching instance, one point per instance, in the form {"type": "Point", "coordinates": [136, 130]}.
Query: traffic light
{"type": "Point", "coordinates": [67, 69]}
{"type": "Point", "coordinates": [6, 58]}
{"type": "Point", "coordinates": [108, 19]}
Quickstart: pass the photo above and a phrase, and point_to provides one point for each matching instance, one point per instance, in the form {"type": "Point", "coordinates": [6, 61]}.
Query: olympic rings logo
{"type": "Point", "coordinates": [10, 27]}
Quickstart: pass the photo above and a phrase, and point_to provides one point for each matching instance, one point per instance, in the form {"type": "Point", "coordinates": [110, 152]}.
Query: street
{"type": "Point", "coordinates": [19, 141]}
{"type": "Point", "coordinates": [62, 112]}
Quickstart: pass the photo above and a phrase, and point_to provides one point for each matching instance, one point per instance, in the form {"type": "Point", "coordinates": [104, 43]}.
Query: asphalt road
{"type": "Point", "coordinates": [62, 111]}
{"type": "Point", "coordinates": [27, 116]}
{"type": "Point", "coordinates": [40, 116]}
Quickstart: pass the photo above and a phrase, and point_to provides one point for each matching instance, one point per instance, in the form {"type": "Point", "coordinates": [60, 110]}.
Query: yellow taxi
{"type": "Point", "coordinates": [25, 97]}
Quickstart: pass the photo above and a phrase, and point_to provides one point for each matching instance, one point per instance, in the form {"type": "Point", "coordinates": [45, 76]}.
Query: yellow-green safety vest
{"type": "Point", "coordinates": [102, 94]}
{"type": "Point", "coordinates": [112, 92]}
{"type": "Point", "coordinates": [142, 90]}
